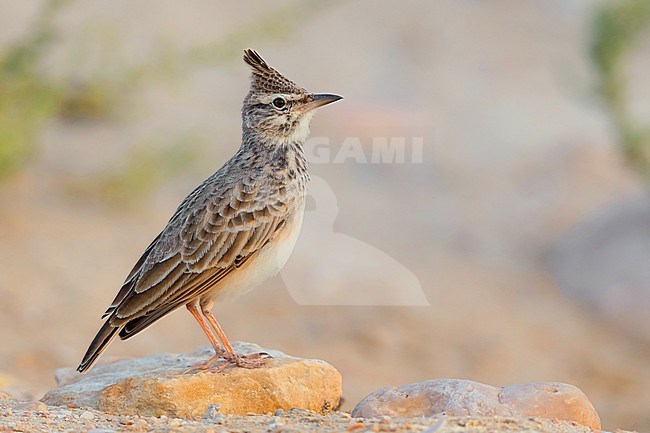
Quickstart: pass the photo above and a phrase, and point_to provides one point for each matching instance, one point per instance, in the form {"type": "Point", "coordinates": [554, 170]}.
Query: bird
{"type": "Point", "coordinates": [233, 231]}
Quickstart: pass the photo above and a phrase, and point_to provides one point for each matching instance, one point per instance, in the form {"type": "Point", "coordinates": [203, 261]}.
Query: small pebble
{"type": "Point", "coordinates": [385, 419]}
{"type": "Point", "coordinates": [212, 414]}
{"type": "Point", "coordinates": [434, 428]}
{"type": "Point", "coordinates": [175, 422]}
{"type": "Point", "coordinates": [354, 425]}
{"type": "Point", "coordinates": [87, 415]}
{"type": "Point", "coordinates": [278, 412]}
{"type": "Point", "coordinates": [65, 412]}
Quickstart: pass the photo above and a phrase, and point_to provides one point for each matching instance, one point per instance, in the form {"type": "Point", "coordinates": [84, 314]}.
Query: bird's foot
{"type": "Point", "coordinates": [254, 360]}
{"type": "Point", "coordinates": [207, 365]}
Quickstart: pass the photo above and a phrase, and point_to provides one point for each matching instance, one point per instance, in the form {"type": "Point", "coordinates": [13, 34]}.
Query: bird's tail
{"type": "Point", "coordinates": [98, 345]}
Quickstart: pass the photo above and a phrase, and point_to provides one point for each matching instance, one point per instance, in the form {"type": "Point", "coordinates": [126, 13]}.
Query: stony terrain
{"type": "Point", "coordinates": [36, 417]}
{"type": "Point", "coordinates": [159, 393]}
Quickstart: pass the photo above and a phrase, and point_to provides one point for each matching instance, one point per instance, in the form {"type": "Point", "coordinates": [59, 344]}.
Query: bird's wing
{"type": "Point", "coordinates": [219, 235]}
{"type": "Point", "coordinates": [131, 279]}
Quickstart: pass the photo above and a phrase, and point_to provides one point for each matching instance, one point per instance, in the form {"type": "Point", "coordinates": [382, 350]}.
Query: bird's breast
{"type": "Point", "coordinates": [265, 263]}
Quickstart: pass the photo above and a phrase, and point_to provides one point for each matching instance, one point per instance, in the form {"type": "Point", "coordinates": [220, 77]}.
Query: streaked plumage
{"type": "Point", "coordinates": [234, 230]}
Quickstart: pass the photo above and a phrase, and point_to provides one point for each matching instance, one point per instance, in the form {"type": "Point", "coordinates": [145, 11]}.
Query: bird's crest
{"type": "Point", "coordinates": [265, 78]}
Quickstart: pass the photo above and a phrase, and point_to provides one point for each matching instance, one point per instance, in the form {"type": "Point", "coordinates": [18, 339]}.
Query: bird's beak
{"type": "Point", "coordinates": [320, 99]}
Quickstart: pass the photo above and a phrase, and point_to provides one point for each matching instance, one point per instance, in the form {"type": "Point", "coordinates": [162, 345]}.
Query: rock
{"type": "Point", "coordinates": [66, 376]}
{"type": "Point", "coordinates": [455, 397]}
{"type": "Point", "coordinates": [213, 415]}
{"type": "Point", "coordinates": [604, 263]}
{"type": "Point", "coordinates": [156, 385]}
{"type": "Point", "coordinates": [87, 415]}
{"type": "Point", "coordinates": [550, 400]}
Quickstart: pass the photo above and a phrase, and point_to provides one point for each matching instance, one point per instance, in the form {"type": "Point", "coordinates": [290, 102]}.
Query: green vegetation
{"type": "Point", "coordinates": [616, 28]}
{"type": "Point", "coordinates": [30, 96]}
{"type": "Point", "coordinates": [26, 99]}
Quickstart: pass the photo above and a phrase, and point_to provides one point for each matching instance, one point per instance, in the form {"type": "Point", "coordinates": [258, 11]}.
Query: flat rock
{"type": "Point", "coordinates": [157, 385]}
{"type": "Point", "coordinates": [455, 397]}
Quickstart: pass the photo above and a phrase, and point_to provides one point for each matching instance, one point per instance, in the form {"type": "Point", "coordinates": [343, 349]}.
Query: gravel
{"type": "Point", "coordinates": [53, 419]}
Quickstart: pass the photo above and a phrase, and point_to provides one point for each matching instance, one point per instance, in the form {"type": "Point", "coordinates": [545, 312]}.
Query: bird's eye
{"type": "Point", "coordinates": [279, 103]}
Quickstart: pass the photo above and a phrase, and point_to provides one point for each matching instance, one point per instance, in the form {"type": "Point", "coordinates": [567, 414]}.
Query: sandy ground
{"type": "Point", "coordinates": [516, 151]}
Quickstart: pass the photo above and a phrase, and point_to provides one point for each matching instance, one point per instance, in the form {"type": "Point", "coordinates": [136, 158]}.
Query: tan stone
{"type": "Point", "coordinates": [550, 400]}
{"type": "Point", "coordinates": [455, 397]}
{"type": "Point", "coordinates": [156, 386]}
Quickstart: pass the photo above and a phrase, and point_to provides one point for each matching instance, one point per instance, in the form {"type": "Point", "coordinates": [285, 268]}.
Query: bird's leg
{"type": "Point", "coordinates": [218, 350]}
{"type": "Point", "coordinates": [254, 360]}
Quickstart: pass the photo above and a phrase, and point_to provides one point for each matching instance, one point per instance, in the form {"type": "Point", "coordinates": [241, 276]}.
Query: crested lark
{"type": "Point", "coordinates": [234, 230]}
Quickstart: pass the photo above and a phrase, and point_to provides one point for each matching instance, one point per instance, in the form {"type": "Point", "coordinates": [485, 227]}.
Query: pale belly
{"type": "Point", "coordinates": [267, 262]}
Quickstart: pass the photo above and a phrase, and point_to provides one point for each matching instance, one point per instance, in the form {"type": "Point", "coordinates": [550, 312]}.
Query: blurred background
{"type": "Point", "coordinates": [526, 223]}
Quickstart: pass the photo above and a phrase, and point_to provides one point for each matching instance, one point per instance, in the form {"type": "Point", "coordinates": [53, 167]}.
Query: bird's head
{"type": "Point", "coordinates": [276, 108]}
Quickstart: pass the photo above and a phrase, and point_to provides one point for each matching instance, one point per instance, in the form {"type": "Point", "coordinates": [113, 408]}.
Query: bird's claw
{"type": "Point", "coordinates": [254, 360]}
{"type": "Point", "coordinates": [207, 365]}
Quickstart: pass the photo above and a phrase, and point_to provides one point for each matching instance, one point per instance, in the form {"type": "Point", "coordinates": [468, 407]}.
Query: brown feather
{"type": "Point", "coordinates": [140, 300]}
{"type": "Point", "coordinates": [97, 346]}
{"type": "Point", "coordinates": [223, 223]}
{"type": "Point", "coordinates": [267, 79]}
